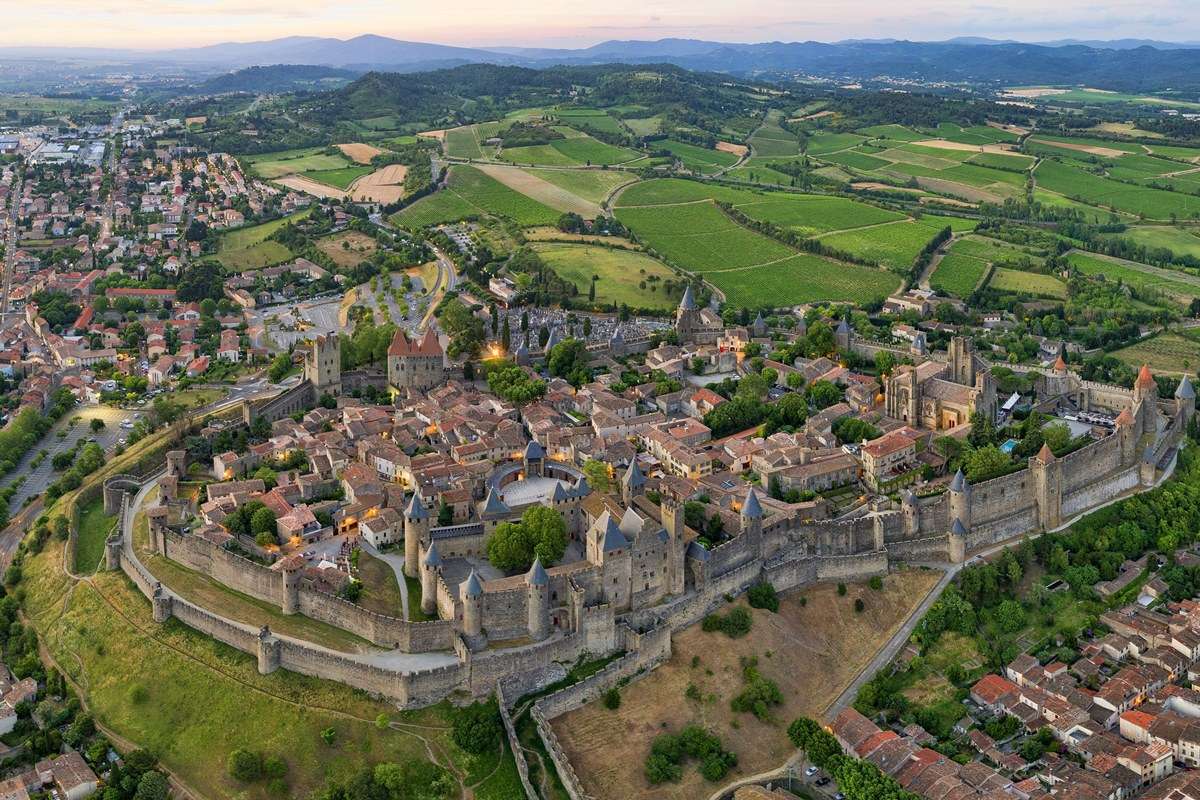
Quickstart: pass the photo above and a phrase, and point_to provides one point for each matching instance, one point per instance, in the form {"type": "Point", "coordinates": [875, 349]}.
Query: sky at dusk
{"type": "Point", "coordinates": [156, 24]}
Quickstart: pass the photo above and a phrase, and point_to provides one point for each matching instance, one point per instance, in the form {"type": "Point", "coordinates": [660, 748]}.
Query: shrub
{"type": "Point", "coordinates": [612, 699]}
{"type": "Point", "coordinates": [859, 605]}
{"type": "Point", "coordinates": [759, 694]}
{"type": "Point", "coordinates": [274, 767]}
{"type": "Point", "coordinates": [660, 769]}
{"type": "Point", "coordinates": [876, 583]}
{"type": "Point", "coordinates": [762, 595]}
{"type": "Point", "coordinates": [244, 765]}
{"type": "Point", "coordinates": [841, 590]}
{"type": "Point", "coordinates": [477, 727]}
{"type": "Point", "coordinates": [737, 623]}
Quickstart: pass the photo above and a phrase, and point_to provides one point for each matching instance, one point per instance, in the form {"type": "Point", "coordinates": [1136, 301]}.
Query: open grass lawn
{"type": "Point", "coordinates": [348, 248]}
{"type": "Point", "coordinates": [894, 245]}
{"type": "Point", "coordinates": [621, 273]}
{"type": "Point", "coordinates": [288, 162]}
{"type": "Point", "coordinates": [1077, 183]}
{"type": "Point", "coordinates": [94, 527]}
{"type": "Point", "coordinates": [341, 177]}
{"type": "Point", "coordinates": [993, 250]}
{"type": "Point", "coordinates": [470, 192]}
{"type": "Point", "coordinates": [191, 700]}
{"type": "Point", "coordinates": [1170, 352]}
{"type": "Point", "coordinates": [957, 274]}
{"type": "Point", "coordinates": [697, 158]}
{"type": "Point", "coordinates": [1001, 160]}
{"type": "Point", "coordinates": [194, 398]}
{"type": "Point", "coordinates": [247, 247]}
{"type": "Point", "coordinates": [812, 652]}
{"type": "Point", "coordinates": [1090, 213]}
{"type": "Point", "coordinates": [381, 592]}
{"type": "Point", "coordinates": [1011, 280]}
{"type": "Point", "coordinates": [1175, 285]}
{"type": "Point", "coordinates": [644, 126]}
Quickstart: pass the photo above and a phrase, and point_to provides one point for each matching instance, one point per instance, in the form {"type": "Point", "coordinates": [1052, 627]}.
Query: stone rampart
{"type": "Point", "coordinates": [514, 744]}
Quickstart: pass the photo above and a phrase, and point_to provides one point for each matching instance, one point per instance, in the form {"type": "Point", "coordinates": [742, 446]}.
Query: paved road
{"type": "Point", "coordinates": [10, 245]}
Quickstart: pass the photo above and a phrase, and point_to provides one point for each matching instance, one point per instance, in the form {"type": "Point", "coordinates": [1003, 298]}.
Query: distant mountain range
{"type": "Point", "coordinates": [1124, 64]}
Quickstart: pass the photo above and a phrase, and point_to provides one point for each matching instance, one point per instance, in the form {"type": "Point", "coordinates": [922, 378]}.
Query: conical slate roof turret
{"type": "Point", "coordinates": [493, 504]}
{"type": "Point", "coordinates": [432, 557]}
{"type": "Point", "coordinates": [416, 508]}
{"type": "Point", "coordinates": [688, 301]}
{"type": "Point", "coordinates": [633, 477]}
{"type": "Point", "coordinates": [1185, 391]}
{"type": "Point", "coordinates": [960, 481]}
{"type": "Point", "coordinates": [471, 587]}
{"type": "Point", "coordinates": [957, 528]}
{"type": "Point", "coordinates": [537, 575]}
{"type": "Point", "coordinates": [751, 507]}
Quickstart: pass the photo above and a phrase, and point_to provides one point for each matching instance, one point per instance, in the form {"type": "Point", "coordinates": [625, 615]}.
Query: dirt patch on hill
{"type": "Point", "coordinates": [360, 247]}
{"type": "Point", "coordinates": [541, 190]}
{"type": "Point", "coordinates": [1095, 150]}
{"type": "Point", "coordinates": [309, 186]}
{"type": "Point", "coordinates": [440, 135]}
{"type": "Point", "coordinates": [738, 150]}
{"type": "Point", "coordinates": [817, 115]}
{"type": "Point", "coordinates": [811, 651]}
{"type": "Point", "coordinates": [384, 185]}
{"type": "Point", "coordinates": [1033, 92]}
{"type": "Point", "coordinates": [358, 152]}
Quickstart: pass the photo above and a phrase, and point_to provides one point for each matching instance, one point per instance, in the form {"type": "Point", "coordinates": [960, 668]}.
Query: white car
{"type": "Point", "coordinates": [808, 773]}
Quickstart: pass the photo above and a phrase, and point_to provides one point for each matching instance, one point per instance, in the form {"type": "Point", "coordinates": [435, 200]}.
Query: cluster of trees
{"type": "Point", "coordinates": [247, 766]}
{"type": "Point", "coordinates": [541, 533]}
{"type": "Point", "coordinates": [515, 385]}
{"type": "Point", "coordinates": [415, 779]}
{"type": "Point", "coordinates": [747, 408]}
{"type": "Point", "coordinates": [669, 751]}
{"type": "Point", "coordinates": [253, 519]}
{"type": "Point", "coordinates": [366, 346]}
{"type": "Point", "coordinates": [857, 780]}
{"type": "Point", "coordinates": [759, 694]}
{"type": "Point", "coordinates": [735, 624]}
{"type": "Point", "coordinates": [57, 308]}
{"type": "Point", "coordinates": [83, 462]}
{"type": "Point", "coordinates": [569, 360]}
{"type": "Point", "coordinates": [465, 330]}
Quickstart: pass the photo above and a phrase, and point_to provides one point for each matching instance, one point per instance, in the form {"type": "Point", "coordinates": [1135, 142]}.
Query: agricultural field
{"type": "Point", "coordinates": [574, 151]}
{"type": "Point", "coordinates": [1180, 241]}
{"type": "Point", "coordinates": [536, 187]}
{"type": "Point", "coordinates": [811, 651]}
{"type": "Point", "coordinates": [593, 185]}
{"type": "Point", "coordinates": [960, 169]}
{"type": "Point", "coordinates": [897, 132]}
{"type": "Point", "coordinates": [590, 118]}
{"type": "Point", "coordinates": [770, 139]}
{"type": "Point", "coordinates": [53, 105]}
{"type": "Point", "coordinates": [463, 142]}
{"type": "Point", "coordinates": [1176, 286]}
{"type": "Point", "coordinates": [349, 248]}
{"type": "Point", "coordinates": [957, 274]}
{"type": "Point", "coordinates": [667, 191]}
{"type": "Point", "coordinates": [626, 276]}
{"type": "Point", "coordinates": [1169, 352]}
{"type": "Point", "coordinates": [247, 247]}
{"type": "Point", "coordinates": [644, 126]}
{"type": "Point", "coordinates": [1012, 280]}
{"type": "Point", "coordinates": [359, 152]}
{"type": "Point", "coordinates": [893, 245]}
{"type": "Point", "coordinates": [820, 143]}
{"type": "Point", "coordinates": [292, 162]}
{"type": "Point", "coordinates": [809, 214]}
{"type": "Point", "coordinates": [469, 192]}
{"type": "Point", "coordinates": [340, 178]}
{"type": "Point", "coordinates": [699, 237]}
{"type": "Point", "coordinates": [1076, 183]}
{"type": "Point", "coordinates": [696, 158]}
{"type": "Point", "coordinates": [803, 278]}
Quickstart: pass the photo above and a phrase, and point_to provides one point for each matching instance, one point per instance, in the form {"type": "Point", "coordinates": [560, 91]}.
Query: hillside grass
{"type": "Point", "coordinates": [620, 271]}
